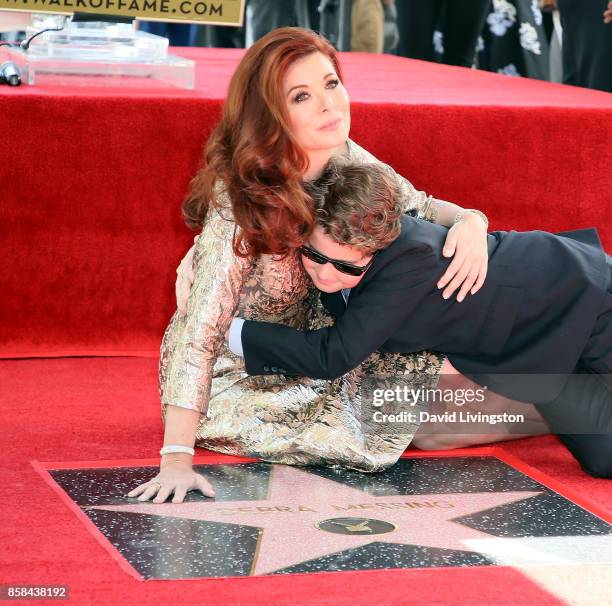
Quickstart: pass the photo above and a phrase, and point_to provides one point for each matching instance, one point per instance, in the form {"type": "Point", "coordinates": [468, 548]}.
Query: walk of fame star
{"type": "Point", "coordinates": [278, 519]}
{"type": "Point", "coordinates": [299, 502]}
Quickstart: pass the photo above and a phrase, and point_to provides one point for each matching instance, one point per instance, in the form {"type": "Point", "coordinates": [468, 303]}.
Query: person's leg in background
{"type": "Point", "coordinates": [587, 44]}
{"type": "Point", "coordinates": [262, 16]}
{"type": "Point", "coordinates": [556, 50]}
{"type": "Point", "coordinates": [416, 21]}
{"type": "Point", "coordinates": [220, 36]}
{"type": "Point", "coordinates": [313, 14]}
{"type": "Point", "coordinates": [390, 29]}
{"type": "Point", "coordinates": [367, 23]}
{"type": "Point", "coordinates": [463, 22]}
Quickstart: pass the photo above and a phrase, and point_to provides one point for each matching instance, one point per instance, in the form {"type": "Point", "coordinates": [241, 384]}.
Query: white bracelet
{"type": "Point", "coordinates": [461, 213]}
{"type": "Point", "coordinates": [176, 448]}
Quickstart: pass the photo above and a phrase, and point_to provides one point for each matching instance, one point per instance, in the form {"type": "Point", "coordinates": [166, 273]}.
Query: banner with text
{"type": "Point", "coordinates": [216, 12]}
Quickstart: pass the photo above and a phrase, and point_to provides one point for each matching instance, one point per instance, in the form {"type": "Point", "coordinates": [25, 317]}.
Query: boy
{"type": "Point", "coordinates": [544, 310]}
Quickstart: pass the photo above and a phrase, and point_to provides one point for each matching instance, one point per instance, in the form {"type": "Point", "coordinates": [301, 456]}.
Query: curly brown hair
{"type": "Point", "coordinates": [358, 204]}
{"type": "Point", "coordinates": [251, 154]}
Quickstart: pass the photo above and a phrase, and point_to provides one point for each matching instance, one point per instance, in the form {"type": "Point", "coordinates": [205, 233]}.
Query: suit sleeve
{"type": "Point", "coordinates": [372, 317]}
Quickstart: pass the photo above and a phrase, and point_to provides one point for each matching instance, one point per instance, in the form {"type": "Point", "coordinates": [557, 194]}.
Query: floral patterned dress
{"type": "Point", "coordinates": [514, 40]}
{"type": "Point", "coordinates": [280, 419]}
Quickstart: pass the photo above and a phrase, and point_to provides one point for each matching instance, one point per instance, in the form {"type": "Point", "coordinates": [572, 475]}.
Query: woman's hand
{"type": "Point", "coordinates": [184, 279]}
{"type": "Point", "coordinates": [467, 241]}
{"type": "Point", "coordinates": [177, 477]}
{"type": "Point", "coordinates": [608, 14]}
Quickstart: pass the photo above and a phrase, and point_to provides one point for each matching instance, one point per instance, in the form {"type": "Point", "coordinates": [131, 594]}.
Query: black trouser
{"type": "Point", "coordinates": [262, 16]}
{"type": "Point", "coordinates": [587, 44]}
{"type": "Point", "coordinates": [220, 36]}
{"type": "Point", "coordinates": [586, 400]}
{"type": "Point", "coordinates": [463, 23]}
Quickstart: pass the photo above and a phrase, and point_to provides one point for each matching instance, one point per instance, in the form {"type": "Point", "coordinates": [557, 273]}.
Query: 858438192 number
{"type": "Point", "coordinates": [14, 591]}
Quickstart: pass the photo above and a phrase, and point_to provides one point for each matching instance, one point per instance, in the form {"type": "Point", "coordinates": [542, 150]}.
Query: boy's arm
{"type": "Point", "coordinates": [373, 316]}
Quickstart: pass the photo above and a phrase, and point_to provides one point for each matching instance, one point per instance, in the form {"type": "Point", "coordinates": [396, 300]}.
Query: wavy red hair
{"type": "Point", "coordinates": [252, 154]}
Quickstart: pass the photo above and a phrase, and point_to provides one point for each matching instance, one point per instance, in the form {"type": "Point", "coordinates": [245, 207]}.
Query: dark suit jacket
{"type": "Point", "coordinates": [534, 313]}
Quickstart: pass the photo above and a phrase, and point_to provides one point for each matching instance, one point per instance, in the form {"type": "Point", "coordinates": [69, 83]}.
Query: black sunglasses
{"type": "Point", "coordinates": [343, 266]}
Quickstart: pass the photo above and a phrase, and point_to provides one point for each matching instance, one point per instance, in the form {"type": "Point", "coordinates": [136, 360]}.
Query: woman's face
{"type": "Point", "coordinates": [317, 103]}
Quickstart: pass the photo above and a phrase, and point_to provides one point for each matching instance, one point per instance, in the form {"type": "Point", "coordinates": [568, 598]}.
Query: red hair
{"type": "Point", "coordinates": [252, 154]}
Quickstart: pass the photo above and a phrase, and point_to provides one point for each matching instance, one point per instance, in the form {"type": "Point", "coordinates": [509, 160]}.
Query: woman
{"type": "Point", "coordinates": [286, 114]}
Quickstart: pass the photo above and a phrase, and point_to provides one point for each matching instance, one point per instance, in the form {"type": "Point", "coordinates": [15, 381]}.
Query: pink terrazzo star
{"type": "Point", "coordinates": [298, 500]}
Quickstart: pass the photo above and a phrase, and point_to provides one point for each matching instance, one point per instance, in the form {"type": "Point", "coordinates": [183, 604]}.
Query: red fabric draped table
{"type": "Point", "coordinates": [92, 179]}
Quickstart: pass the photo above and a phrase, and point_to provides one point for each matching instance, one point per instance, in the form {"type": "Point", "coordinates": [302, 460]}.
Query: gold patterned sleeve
{"type": "Point", "coordinates": [198, 336]}
{"type": "Point", "coordinates": [426, 206]}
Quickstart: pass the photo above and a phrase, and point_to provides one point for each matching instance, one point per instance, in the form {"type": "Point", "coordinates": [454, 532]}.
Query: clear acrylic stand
{"type": "Point", "coordinates": [99, 54]}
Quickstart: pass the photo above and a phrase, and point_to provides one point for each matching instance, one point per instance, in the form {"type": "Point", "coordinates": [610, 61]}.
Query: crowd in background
{"type": "Point", "coordinates": [559, 40]}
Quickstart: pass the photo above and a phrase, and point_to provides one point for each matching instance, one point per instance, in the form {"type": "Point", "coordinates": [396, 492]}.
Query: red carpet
{"type": "Point", "coordinates": [92, 181]}
{"type": "Point", "coordinates": [107, 409]}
